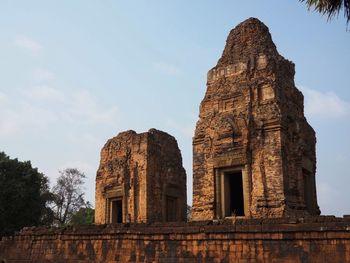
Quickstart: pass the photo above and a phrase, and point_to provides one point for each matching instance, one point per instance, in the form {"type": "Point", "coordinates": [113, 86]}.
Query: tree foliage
{"type": "Point", "coordinates": [330, 8]}
{"type": "Point", "coordinates": [68, 196]}
{"type": "Point", "coordinates": [24, 196]}
{"type": "Point", "coordinates": [84, 216]}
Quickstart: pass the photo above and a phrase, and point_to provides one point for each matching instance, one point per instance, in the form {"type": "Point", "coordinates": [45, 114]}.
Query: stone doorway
{"type": "Point", "coordinates": [233, 199]}
{"type": "Point", "coordinates": [231, 193]}
{"type": "Point", "coordinates": [309, 191]}
{"type": "Point", "coordinates": [116, 213]}
{"type": "Point", "coordinates": [171, 209]}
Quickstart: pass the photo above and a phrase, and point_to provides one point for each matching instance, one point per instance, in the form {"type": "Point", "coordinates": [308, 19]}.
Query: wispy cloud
{"type": "Point", "coordinates": [167, 68]}
{"type": "Point", "coordinates": [8, 122]}
{"type": "Point", "coordinates": [3, 98]}
{"type": "Point", "coordinates": [186, 129]}
{"type": "Point", "coordinates": [84, 139]}
{"type": "Point", "coordinates": [22, 112]}
{"type": "Point", "coordinates": [43, 92]}
{"type": "Point", "coordinates": [28, 43]}
{"type": "Point", "coordinates": [21, 117]}
{"type": "Point", "coordinates": [42, 75]}
{"type": "Point", "coordinates": [84, 106]}
{"type": "Point", "coordinates": [324, 104]}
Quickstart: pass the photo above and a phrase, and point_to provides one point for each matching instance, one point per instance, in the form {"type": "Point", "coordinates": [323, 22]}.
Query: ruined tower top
{"type": "Point", "coordinates": [249, 39]}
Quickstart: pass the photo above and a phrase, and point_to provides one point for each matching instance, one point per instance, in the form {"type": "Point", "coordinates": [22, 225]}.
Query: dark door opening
{"type": "Point", "coordinates": [117, 211]}
{"type": "Point", "coordinates": [308, 190]}
{"type": "Point", "coordinates": [234, 201]}
{"type": "Point", "coordinates": [171, 207]}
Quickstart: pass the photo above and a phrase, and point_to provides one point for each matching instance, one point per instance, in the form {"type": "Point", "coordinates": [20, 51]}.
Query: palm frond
{"type": "Point", "coordinates": [330, 8]}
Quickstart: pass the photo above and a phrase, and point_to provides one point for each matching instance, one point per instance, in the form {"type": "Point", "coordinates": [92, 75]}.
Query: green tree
{"type": "Point", "coordinates": [24, 196]}
{"type": "Point", "coordinates": [84, 216]}
{"type": "Point", "coordinates": [330, 8]}
{"type": "Point", "coordinates": [68, 196]}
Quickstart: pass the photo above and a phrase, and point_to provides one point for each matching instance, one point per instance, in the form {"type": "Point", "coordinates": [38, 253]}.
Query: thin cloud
{"type": "Point", "coordinates": [324, 104]}
{"type": "Point", "coordinates": [3, 98]}
{"type": "Point", "coordinates": [85, 139]}
{"type": "Point", "coordinates": [8, 122]}
{"type": "Point", "coordinates": [43, 92]}
{"type": "Point", "coordinates": [23, 116]}
{"type": "Point", "coordinates": [42, 75]}
{"type": "Point", "coordinates": [23, 113]}
{"type": "Point", "coordinates": [185, 129]}
{"type": "Point", "coordinates": [167, 68]}
{"type": "Point", "coordinates": [28, 43]}
{"type": "Point", "coordinates": [84, 106]}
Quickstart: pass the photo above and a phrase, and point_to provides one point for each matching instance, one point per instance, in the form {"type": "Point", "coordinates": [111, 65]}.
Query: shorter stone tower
{"type": "Point", "coordinates": [140, 179]}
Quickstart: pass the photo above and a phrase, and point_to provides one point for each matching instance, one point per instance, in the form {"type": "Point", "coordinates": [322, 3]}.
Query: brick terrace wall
{"type": "Point", "coordinates": [321, 239]}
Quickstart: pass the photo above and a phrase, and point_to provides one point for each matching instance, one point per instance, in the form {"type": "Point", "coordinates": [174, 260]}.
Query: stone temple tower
{"type": "Point", "coordinates": [140, 179]}
{"type": "Point", "coordinates": [253, 150]}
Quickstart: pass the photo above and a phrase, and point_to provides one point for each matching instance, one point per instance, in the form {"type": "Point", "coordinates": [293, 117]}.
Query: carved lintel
{"type": "Point", "coordinates": [117, 191]}
{"type": "Point", "coordinates": [230, 160]}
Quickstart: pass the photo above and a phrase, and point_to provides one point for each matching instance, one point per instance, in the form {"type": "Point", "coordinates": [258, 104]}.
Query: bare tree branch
{"type": "Point", "coordinates": [68, 195]}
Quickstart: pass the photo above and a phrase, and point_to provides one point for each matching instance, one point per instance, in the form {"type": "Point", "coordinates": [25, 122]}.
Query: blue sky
{"type": "Point", "coordinates": [75, 73]}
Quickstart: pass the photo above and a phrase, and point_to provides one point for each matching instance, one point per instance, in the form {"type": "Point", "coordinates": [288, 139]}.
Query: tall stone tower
{"type": "Point", "coordinates": [253, 150]}
{"type": "Point", "coordinates": [140, 179]}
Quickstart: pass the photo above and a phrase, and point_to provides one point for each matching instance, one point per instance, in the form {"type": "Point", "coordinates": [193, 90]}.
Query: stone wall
{"type": "Point", "coordinates": [321, 239]}
{"type": "Point", "coordinates": [251, 124]}
{"type": "Point", "coordinates": [142, 172]}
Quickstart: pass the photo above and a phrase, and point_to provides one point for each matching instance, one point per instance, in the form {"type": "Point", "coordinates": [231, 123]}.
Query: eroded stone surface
{"type": "Point", "coordinates": [251, 120]}
{"type": "Point", "coordinates": [144, 171]}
